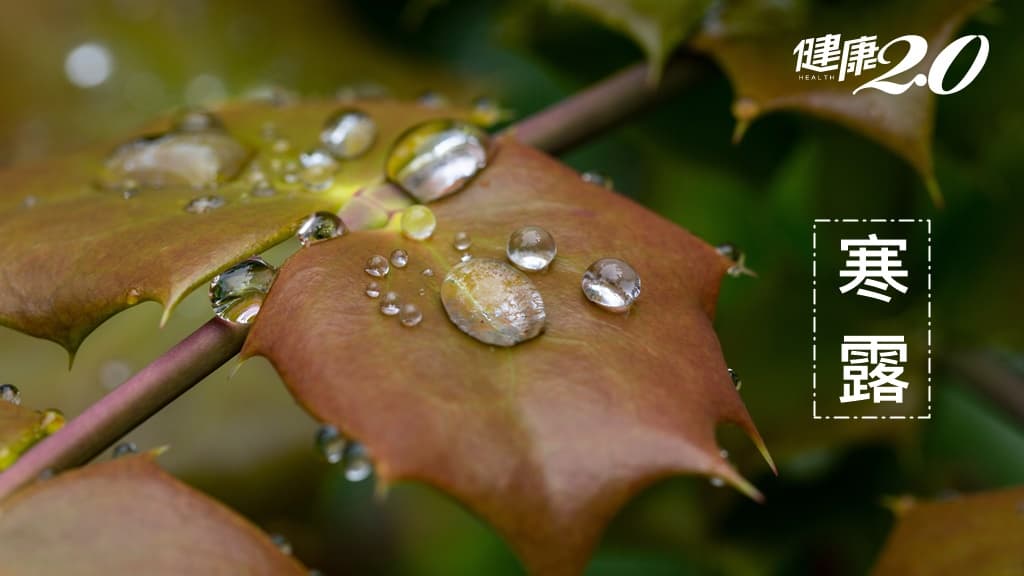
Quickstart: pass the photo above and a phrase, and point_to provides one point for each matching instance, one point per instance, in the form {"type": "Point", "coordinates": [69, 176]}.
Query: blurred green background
{"type": "Point", "coordinates": [241, 438]}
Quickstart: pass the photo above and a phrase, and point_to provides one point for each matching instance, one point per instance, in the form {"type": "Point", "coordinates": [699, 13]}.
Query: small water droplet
{"type": "Point", "coordinates": [399, 258]}
{"type": "Point", "coordinates": [493, 302]}
{"type": "Point", "coordinates": [598, 179]}
{"type": "Point", "coordinates": [30, 201]}
{"type": "Point", "coordinates": [348, 134]}
{"type": "Point", "coordinates": [410, 315]}
{"type": "Point", "coordinates": [462, 241]}
{"type": "Point", "coordinates": [487, 111]}
{"type": "Point", "coordinates": [422, 292]}
{"type": "Point", "coordinates": [262, 190]}
{"type": "Point", "coordinates": [282, 544]}
{"type": "Point", "coordinates": [418, 222]}
{"type": "Point", "coordinates": [717, 482]}
{"type": "Point", "coordinates": [389, 305]}
{"type": "Point", "coordinates": [318, 169]}
{"type": "Point", "coordinates": [320, 226]}
{"type": "Point", "coordinates": [437, 158]}
{"type": "Point", "coordinates": [531, 248]}
{"type": "Point", "coordinates": [432, 99]}
{"type": "Point", "coordinates": [237, 293]}
{"type": "Point", "coordinates": [196, 120]}
{"type": "Point", "coordinates": [724, 454]}
{"type": "Point", "coordinates": [124, 449]}
{"type": "Point", "coordinates": [428, 272]}
{"type": "Point", "coordinates": [373, 290]}
{"type": "Point", "coordinates": [200, 160]}
{"type": "Point", "coordinates": [281, 146]}
{"type": "Point", "coordinates": [204, 204]}
{"type": "Point", "coordinates": [611, 284]}
{"type": "Point", "coordinates": [357, 463]}
{"type": "Point", "coordinates": [53, 420]}
{"type": "Point", "coordinates": [377, 266]}
{"type": "Point", "coordinates": [735, 379]}
{"type": "Point", "coordinates": [10, 393]}
{"type": "Point", "coordinates": [330, 444]}
{"type": "Point", "coordinates": [466, 257]}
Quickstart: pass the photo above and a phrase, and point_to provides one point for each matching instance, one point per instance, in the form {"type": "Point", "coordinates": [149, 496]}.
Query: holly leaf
{"type": "Point", "coordinates": [76, 250]}
{"type": "Point", "coordinates": [127, 516]}
{"type": "Point", "coordinates": [979, 533]}
{"type": "Point", "coordinates": [21, 427]}
{"type": "Point", "coordinates": [658, 26]}
{"type": "Point", "coordinates": [546, 439]}
{"type": "Point", "coordinates": [753, 41]}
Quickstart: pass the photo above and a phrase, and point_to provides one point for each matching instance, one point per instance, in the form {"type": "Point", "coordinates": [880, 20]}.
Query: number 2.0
{"type": "Point", "coordinates": [936, 74]}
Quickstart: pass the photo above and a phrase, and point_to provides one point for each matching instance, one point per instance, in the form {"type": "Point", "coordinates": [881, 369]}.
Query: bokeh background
{"type": "Point", "coordinates": [239, 436]}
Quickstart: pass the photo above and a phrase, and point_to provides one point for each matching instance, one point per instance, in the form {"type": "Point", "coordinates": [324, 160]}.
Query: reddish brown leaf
{"type": "Point", "coordinates": [127, 516]}
{"type": "Point", "coordinates": [547, 439]}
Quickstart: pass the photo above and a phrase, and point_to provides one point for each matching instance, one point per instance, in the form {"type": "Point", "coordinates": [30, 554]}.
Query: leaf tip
{"type": "Point", "coordinates": [745, 111]}
{"type": "Point", "coordinates": [934, 191]}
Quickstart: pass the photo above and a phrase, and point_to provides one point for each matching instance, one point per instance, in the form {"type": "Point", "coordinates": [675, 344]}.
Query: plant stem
{"type": "Point", "coordinates": [128, 405]}
{"type": "Point", "coordinates": [554, 129]}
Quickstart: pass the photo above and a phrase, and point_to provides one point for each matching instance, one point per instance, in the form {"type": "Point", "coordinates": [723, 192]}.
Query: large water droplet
{"type": "Point", "coordinates": [357, 463]}
{"type": "Point", "coordinates": [10, 393]}
{"type": "Point", "coordinates": [493, 302]}
{"type": "Point", "coordinates": [320, 226]}
{"type": "Point", "coordinates": [204, 204]}
{"type": "Point", "coordinates": [176, 159]}
{"type": "Point", "coordinates": [330, 444]}
{"type": "Point", "coordinates": [410, 315]}
{"type": "Point", "coordinates": [399, 258]}
{"type": "Point", "coordinates": [531, 248]}
{"type": "Point", "coordinates": [373, 290]}
{"type": "Point", "coordinates": [462, 241]}
{"type": "Point", "coordinates": [437, 158]}
{"type": "Point", "coordinates": [390, 305]}
{"type": "Point", "coordinates": [237, 293]}
{"type": "Point", "coordinates": [124, 449]}
{"type": "Point", "coordinates": [377, 266]}
{"type": "Point", "coordinates": [418, 222]}
{"type": "Point", "coordinates": [735, 379]}
{"type": "Point", "coordinates": [611, 284]}
{"type": "Point", "coordinates": [348, 134]}
{"type": "Point", "coordinates": [196, 120]}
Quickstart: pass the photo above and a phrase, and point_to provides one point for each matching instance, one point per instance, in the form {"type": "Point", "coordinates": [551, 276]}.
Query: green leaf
{"type": "Point", "coordinates": [979, 534]}
{"type": "Point", "coordinates": [547, 439]}
{"type": "Point", "coordinates": [76, 251]}
{"type": "Point", "coordinates": [753, 41]}
{"type": "Point", "coordinates": [127, 516]}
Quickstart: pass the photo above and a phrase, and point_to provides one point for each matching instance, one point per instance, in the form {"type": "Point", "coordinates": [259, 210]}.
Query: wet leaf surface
{"type": "Point", "coordinates": [20, 428]}
{"type": "Point", "coordinates": [127, 516]}
{"type": "Point", "coordinates": [547, 439]}
{"type": "Point", "coordinates": [74, 253]}
{"type": "Point", "coordinates": [754, 42]}
{"type": "Point", "coordinates": [974, 534]}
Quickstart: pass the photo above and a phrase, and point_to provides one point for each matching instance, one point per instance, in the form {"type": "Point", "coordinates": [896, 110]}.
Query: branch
{"type": "Point", "coordinates": [555, 129]}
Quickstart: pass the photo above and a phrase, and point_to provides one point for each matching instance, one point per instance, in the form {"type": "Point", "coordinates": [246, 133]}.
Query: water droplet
{"type": "Point", "coordinates": [410, 315]}
{"type": "Point", "coordinates": [357, 463]}
{"type": "Point", "coordinates": [437, 158]}
{"type": "Point", "coordinates": [373, 290]}
{"type": "Point", "coordinates": [348, 134]}
{"type": "Point", "coordinates": [320, 226]}
{"type": "Point", "coordinates": [598, 179]}
{"type": "Point", "coordinates": [432, 99]}
{"type": "Point", "coordinates": [330, 443]}
{"type": "Point", "coordinates": [10, 393]}
{"type": "Point", "coordinates": [418, 222]}
{"type": "Point", "coordinates": [531, 248]}
{"type": "Point", "coordinates": [462, 241]}
{"type": "Point", "coordinates": [399, 258]}
{"type": "Point", "coordinates": [262, 190]}
{"type": "Point", "coordinates": [611, 284]}
{"type": "Point", "coordinates": [733, 252]}
{"type": "Point", "coordinates": [196, 120]}
{"type": "Point", "coordinates": [466, 257]}
{"type": "Point", "coordinates": [30, 201]}
{"type": "Point", "coordinates": [428, 272]}
{"type": "Point", "coordinates": [124, 449]}
{"type": "Point", "coordinates": [487, 112]}
{"type": "Point", "coordinates": [204, 204]}
{"type": "Point", "coordinates": [493, 302]}
{"type": "Point", "coordinates": [176, 159]}
{"type": "Point", "coordinates": [88, 65]}
{"type": "Point", "coordinates": [717, 482]}
{"type": "Point", "coordinates": [389, 305]}
{"type": "Point", "coordinates": [318, 169]}
{"type": "Point", "coordinates": [735, 379]}
{"type": "Point", "coordinates": [422, 292]}
{"type": "Point", "coordinates": [237, 293]}
{"type": "Point", "coordinates": [53, 420]}
{"type": "Point", "coordinates": [282, 543]}
{"type": "Point", "coordinates": [724, 454]}
{"type": "Point", "coordinates": [377, 266]}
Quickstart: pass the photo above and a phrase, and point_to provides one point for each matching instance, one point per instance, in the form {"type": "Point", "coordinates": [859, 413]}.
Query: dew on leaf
{"type": "Point", "coordinates": [175, 159]}
{"type": "Point", "coordinates": [735, 378]}
{"type": "Point", "coordinates": [437, 158]}
{"type": "Point", "coordinates": [53, 420]}
{"type": "Point", "coordinates": [418, 222]}
{"type": "Point", "coordinates": [466, 257]}
{"type": "Point", "coordinates": [377, 266]}
{"type": "Point", "coordinates": [599, 179]}
{"type": "Point", "coordinates": [281, 543]}
{"type": "Point", "coordinates": [237, 293]}
{"type": "Point", "coordinates": [330, 444]}
{"type": "Point", "coordinates": [10, 393]}
{"type": "Point", "coordinates": [196, 120]}
{"type": "Point", "coordinates": [390, 305]}
{"type": "Point", "coordinates": [432, 99]}
{"type": "Point", "coordinates": [319, 226]}
{"type": "Point", "coordinates": [30, 201]}
{"type": "Point", "coordinates": [462, 241]}
{"type": "Point", "coordinates": [493, 302]}
{"type": "Point", "coordinates": [373, 290]}
{"type": "Point", "coordinates": [318, 169]}
{"type": "Point", "coordinates": [124, 449]}
{"type": "Point", "coordinates": [717, 481]}
{"type": "Point", "coordinates": [356, 462]}
{"type": "Point", "coordinates": [348, 134]}
{"type": "Point", "coordinates": [428, 272]}
{"type": "Point", "coordinates": [399, 258]}
{"type": "Point", "coordinates": [611, 284]}
{"type": "Point", "coordinates": [204, 204]}
{"type": "Point", "coordinates": [531, 248]}
{"type": "Point", "coordinates": [410, 315]}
